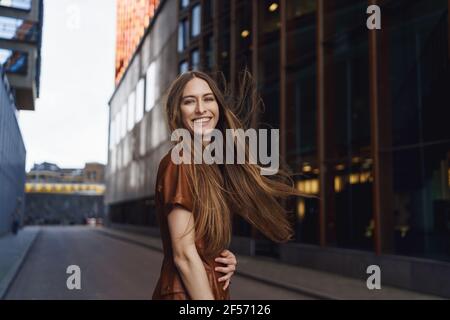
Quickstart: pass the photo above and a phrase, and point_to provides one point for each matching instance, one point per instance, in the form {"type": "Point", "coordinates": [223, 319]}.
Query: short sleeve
{"type": "Point", "coordinates": [175, 187]}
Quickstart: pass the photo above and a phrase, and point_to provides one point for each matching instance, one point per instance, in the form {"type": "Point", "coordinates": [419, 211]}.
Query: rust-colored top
{"type": "Point", "coordinates": [172, 189]}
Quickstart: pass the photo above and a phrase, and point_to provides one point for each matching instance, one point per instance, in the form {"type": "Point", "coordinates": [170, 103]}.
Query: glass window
{"type": "Point", "coordinates": [14, 61]}
{"type": "Point", "coordinates": [269, 71]}
{"type": "Point", "coordinates": [196, 21]}
{"type": "Point", "coordinates": [243, 36]}
{"type": "Point", "coordinates": [419, 152]}
{"type": "Point", "coordinates": [131, 110]}
{"type": "Point", "coordinates": [209, 52]}
{"type": "Point", "coordinates": [16, 4]}
{"type": "Point", "coordinates": [224, 38]}
{"type": "Point", "coordinates": [299, 8]}
{"type": "Point", "coordinates": [182, 35]}
{"type": "Point", "coordinates": [208, 11]}
{"type": "Point", "coordinates": [150, 97]}
{"type": "Point", "coordinates": [184, 67]}
{"type": "Point", "coordinates": [269, 16]}
{"type": "Point", "coordinates": [118, 127]}
{"type": "Point", "coordinates": [114, 136]}
{"type": "Point", "coordinates": [18, 29]}
{"type": "Point", "coordinates": [184, 4]}
{"type": "Point", "coordinates": [111, 134]}
{"type": "Point", "coordinates": [158, 128]}
{"type": "Point", "coordinates": [348, 158]}
{"type": "Point", "coordinates": [140, 96]}
{"type": "Point", "coordinates": [111, 161]}
{"type": "Point", "coordinates": [124, 121]}
{"type": "Point", "coordinates": [195, 59]}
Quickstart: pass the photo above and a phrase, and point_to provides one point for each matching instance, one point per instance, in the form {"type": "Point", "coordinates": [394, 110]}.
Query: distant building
{"type": "Point", "coordinates": [92, 173]}
{"type": "Point", "coordinates": [20, 51]}
{"type": "Point", "coordinates": [57, 195]}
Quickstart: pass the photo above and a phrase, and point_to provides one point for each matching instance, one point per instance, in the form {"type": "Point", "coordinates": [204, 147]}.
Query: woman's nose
{"type": "Point", "coordinates": [200, 107]}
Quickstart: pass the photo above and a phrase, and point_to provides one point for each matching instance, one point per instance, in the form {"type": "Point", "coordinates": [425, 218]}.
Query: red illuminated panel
{"type": "Point", "coordinates": [133, 17]}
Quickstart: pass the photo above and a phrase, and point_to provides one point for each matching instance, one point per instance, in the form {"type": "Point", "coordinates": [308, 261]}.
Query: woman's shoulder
{"type": "Point", "coordinates": [172, 182]}
{"type": "Point", "coordinates": [167, 165]}
{"type": "Point", "coordinates": [165, 162]}
{"type": "Point", "coordinates": [170, 174]}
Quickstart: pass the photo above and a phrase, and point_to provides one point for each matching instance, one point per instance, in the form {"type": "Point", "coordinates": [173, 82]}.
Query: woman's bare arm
{"type": "Point", "coordinates": [186, 257]}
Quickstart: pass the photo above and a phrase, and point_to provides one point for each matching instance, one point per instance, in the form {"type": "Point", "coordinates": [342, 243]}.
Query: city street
{"type": "Point", "coordinates": [110, 269]}
{"type": "Point", "coordinates": [342, 191]}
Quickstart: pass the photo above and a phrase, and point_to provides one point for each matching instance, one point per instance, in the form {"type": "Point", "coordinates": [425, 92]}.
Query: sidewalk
{"type": "Point", "coordinates": [13, 250]}
{"type": "Point", "coordinates": [321, 285]}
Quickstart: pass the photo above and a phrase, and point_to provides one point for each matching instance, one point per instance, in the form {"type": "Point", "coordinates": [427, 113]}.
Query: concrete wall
{"type": "Point", "coordinates": [133, 162]}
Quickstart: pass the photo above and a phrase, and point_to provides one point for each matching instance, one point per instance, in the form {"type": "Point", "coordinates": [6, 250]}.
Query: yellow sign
{"type": "Point", "coordinates": [65, 188]}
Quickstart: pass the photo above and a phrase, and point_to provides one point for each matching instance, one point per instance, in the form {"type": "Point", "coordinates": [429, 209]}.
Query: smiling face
{"type": "Point", "coordinates": [199, 108]}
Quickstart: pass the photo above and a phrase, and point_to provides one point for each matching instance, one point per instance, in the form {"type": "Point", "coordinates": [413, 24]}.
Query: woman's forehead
{"type": "Point", "coordinates": [197, 87]}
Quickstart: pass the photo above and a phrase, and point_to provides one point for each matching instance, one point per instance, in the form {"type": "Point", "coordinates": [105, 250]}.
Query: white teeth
{"type": "Point", "coordinates": [200, 120]}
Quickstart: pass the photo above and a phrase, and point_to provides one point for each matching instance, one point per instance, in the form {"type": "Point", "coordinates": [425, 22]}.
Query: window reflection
{"type": "Point", "coordinates": [269, 14]}
{"type": "Point", "coordinates": [123, 115]}
{"type": "Point", "coordinates": [182, 35]}
{"type": "Point", "coordinates": [140, 100]}
{"type": "Point", "coordinates": [131, 110]}
{"type": "Point", "coordinates": [196, 21]}
{"type": "Point", "coordinates": [184, 66]}
{"type": "Point", "coordinates": [184, 3]}
{"type": "Point", "coordinates": [420, 145]}
{"type": "Point", "coordinates": [195, 59]}
{"type": "Point", "coordinates": [209, 52]}
{"type": "Point", "coordinates": [151, 83]}
{"type": "Point", "coordinates": [16, 4]}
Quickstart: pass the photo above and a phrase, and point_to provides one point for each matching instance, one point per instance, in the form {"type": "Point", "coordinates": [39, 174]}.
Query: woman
{"type": "Point", "coordinates": [195, 202]}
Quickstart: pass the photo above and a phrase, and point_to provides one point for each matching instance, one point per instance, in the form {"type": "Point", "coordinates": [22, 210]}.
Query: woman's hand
{"type": "Point", "coordinates": [229, 259]}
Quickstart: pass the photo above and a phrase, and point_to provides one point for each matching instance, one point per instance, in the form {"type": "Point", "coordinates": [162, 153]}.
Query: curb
{"type": "Point", "coordinates": [5, 284]}
{"type": "Point", "coordinates": [308, 292]}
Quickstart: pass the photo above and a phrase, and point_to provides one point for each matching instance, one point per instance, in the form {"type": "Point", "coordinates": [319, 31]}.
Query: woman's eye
{"type": "Point", "coordinates": [209, 99]}
{"type": "Point", "coordinates": [188, 101]}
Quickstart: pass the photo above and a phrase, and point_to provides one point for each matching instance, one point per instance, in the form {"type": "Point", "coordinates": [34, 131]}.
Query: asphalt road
{"type": "Point", "coordinates": [110, 269]}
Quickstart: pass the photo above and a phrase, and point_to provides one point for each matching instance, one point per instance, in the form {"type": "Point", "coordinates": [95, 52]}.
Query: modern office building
{"type": "Point", "coordinates": [133, 18]}
{"type": "Point", "coordinates": [20, 42]}
{"type": "Point", "coordinates": [362, 114]}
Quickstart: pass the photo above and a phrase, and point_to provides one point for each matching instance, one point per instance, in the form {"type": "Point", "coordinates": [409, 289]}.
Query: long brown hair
{"type": "Point", "coordinates": [220, 190]}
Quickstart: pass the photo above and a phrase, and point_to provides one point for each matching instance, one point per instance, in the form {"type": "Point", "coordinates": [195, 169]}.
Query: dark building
{"type": "Point", "coordinates": [20, 42]}
{"type": "Point", "coordinates": [362, 115]}
{"type": "Point", "coordinates": [21, 24]}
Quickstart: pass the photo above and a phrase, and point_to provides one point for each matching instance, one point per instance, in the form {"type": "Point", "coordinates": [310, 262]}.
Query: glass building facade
{"type": "Point", "coordinates": [12, 158]}
{"type": "Point", "coordinates": [362, 113]}
{"type": "Point", "coordinates": [21, 24]}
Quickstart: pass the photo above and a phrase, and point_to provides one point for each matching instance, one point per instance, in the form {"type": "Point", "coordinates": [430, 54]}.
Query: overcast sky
{"type": "Point", "coordinates": [69, 126]}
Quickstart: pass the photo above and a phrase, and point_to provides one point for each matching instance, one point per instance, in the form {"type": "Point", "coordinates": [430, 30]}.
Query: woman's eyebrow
{"type": "Point", "coordinates": [192, 96]}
